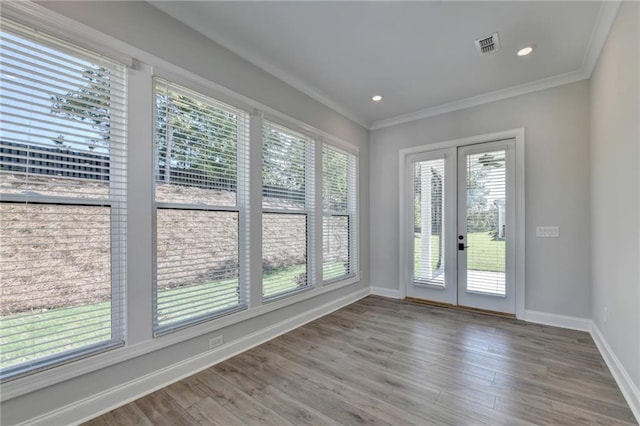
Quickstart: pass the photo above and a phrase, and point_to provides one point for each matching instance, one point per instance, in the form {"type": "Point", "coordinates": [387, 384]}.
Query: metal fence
{"type": "Point", "coordinates": [54, 161]}
{"type": "Point", "coordinates": [66, 162]}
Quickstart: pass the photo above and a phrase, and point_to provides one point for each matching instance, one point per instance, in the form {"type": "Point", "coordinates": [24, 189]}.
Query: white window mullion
{"type": "Point", "coordinates": [316, 239]}
{"type": "Point", "coordinates": [141, 228]}
{"type": "Point", "coordinates": [255, 210]}
{"type": "Point", "coordinates": [353, 203]}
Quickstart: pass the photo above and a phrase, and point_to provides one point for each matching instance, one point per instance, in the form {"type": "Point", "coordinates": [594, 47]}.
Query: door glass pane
{"type": "Point", "coordinates": [428, 222]}
{"type": "Point", "coordinates": [486, 195]}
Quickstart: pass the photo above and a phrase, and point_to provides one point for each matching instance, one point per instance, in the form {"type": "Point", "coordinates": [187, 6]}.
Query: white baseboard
{"type": "Point", "coordinates": [629, 389]}
{"type": "Point", "coordinates": [545, 318]}
{"type": "Point", "coordinates": [386, 292]}
{"type": "Point", "coordinates": [103, 402]}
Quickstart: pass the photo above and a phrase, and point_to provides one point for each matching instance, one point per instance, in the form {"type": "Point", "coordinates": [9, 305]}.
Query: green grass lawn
{"type": "Point", "coordinates": [281, 280]}
{"type": "Point", "coordinates": [34, 330]}
{"type": "Point", "coordinates": [179, 303]}
{"type": "Point", "coordinates": [484, 253]}
{"type": "Point", "coordinates": [333, 270]}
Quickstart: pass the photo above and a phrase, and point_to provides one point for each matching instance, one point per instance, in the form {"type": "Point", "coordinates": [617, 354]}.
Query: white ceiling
{"type": "Point", "coordinates": [420, 56]}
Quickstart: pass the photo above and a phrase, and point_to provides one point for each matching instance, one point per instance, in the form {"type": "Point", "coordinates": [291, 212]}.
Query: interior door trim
{"type": "Point", "coordinates": [519, 136]}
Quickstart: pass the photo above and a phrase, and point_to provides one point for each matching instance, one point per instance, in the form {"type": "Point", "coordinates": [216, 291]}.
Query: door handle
{"type": "Point", "coordinates": [461, 245]}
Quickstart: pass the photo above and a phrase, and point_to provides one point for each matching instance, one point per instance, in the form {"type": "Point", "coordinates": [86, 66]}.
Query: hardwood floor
{"type": "Point", "coordinates": [386, 362]}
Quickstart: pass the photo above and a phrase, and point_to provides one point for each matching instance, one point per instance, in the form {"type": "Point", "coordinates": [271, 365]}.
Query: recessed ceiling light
{"type": "Point", "coordinates": [376, 98]}
{"type": "Point", "coordinates": [526, 50]}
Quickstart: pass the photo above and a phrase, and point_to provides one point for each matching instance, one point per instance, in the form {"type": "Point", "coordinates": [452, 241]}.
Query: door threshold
{"type": "Point", "coordinates": [461, 308]}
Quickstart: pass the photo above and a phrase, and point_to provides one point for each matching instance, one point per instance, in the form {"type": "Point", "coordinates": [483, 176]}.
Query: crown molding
{"type": "Point", "coordinates": [523, 89]}
{"type": "Point", "coordinates": [277, 72]}
{"type": "Point", "coordinates": [606, 16]}
{"type": "Point", "coordinates": [604, 21]}
{"type": "Point", "coordinates": [297, 84]}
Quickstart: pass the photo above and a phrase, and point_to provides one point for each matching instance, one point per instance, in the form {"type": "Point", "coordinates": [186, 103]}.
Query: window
{"type": "Point", "coordinates": [62, 202]}
{"type": "Point", "coordinates": [288, 210]}
{"type": "Point", "coordinates": [201, 196]}
{"type": "Point", "coordinates": [339, 245]}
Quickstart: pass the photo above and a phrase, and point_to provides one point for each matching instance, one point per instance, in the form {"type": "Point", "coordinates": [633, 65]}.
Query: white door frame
{"type": "Point", "coordinates": [406, 215]}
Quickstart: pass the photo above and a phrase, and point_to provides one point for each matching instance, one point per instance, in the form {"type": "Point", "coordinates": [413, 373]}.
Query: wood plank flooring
{"type": "Point", "coordinates": [386, 362]}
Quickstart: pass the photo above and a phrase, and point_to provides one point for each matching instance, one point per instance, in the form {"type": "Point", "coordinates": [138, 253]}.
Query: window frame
{"type": "Point", "coordinates": [241, 208]}
{"type": "Point", "coordinates": [309, 210]}
{"type": "Point", "coordinates": [116, 200]}
{"type": "Point", "coordinates": [351, 212]}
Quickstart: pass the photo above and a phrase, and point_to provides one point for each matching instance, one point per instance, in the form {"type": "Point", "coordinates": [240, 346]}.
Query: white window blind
{"type": "Point", "coordinates": [339, 224]}
{"type": "Point", "coordinates": [201, 197]}
{"type": "Point", "coordinates": [428, 223]}
{"type": "Point", "coordinates": [62, 201]}
{"type": "Point", "coordinates": [486, 215]}
{"type": "Point", "coordinates": [288, 210]}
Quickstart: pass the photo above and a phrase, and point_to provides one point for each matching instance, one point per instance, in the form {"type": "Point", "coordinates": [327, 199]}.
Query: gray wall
{"type": "Point", "coordinates": [146, 28]}
{"type": "Point", "coordinates": [557, 189]}
{"type": "Point", "coordinates": [615, 189]}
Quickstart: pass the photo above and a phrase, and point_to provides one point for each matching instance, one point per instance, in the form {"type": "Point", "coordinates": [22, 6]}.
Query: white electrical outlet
{"type": "Point", "coordinates": [215, 341]}
{"type": "Point", "coordinates": [547, 231]}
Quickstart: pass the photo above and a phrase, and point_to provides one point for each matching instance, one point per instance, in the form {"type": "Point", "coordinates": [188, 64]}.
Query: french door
{"type": "Point", "coordinates": [462, 245]}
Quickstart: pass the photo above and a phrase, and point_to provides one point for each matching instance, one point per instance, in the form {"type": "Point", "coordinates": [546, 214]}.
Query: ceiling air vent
{"type": "Point", "coordinates": [488, 44]}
